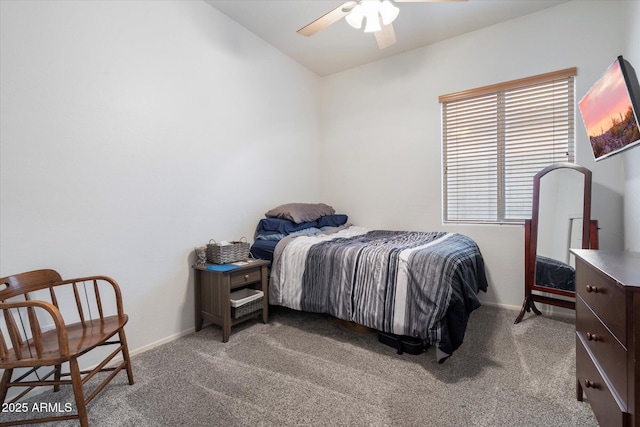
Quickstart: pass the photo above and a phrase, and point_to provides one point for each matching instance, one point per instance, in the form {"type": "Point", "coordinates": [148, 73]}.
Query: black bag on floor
{"type": "Point", "coordinates": [403, 343]}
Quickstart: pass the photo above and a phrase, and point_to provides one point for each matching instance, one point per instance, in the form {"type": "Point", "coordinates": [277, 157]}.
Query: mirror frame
{"type": "Point", "coordinates": [589, 241]}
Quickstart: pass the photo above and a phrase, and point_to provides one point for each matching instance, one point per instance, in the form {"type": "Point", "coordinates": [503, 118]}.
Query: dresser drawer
{"type": "Point", "coordinates": [245, 277]}
{"type": "Point", "coordinates": [611, 356]}
{"type": "Point", "coordinates": [604, 297]}
{"type": "Point", "coordinates": [604, 405]}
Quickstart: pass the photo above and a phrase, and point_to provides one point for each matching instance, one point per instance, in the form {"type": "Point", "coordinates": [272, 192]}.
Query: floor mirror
{"type": "Point", "coordinates": [560, 220]}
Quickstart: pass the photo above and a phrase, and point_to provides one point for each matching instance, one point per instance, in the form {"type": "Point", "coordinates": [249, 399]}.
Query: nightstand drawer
{"type": "Point", "coordinates": [245, 277]}
{"type": "Point", "coordinates": [605, 299]}
{"type": "Point", "coordinates": [605, 406]}
{"type": "Point", "coordinates": [611, 356]}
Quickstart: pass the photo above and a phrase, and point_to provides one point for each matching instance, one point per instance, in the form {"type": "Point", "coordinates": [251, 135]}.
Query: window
{"type": "Point", "coordinates": [496, 138]}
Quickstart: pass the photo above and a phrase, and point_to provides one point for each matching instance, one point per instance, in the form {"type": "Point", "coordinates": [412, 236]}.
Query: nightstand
{"type": "Point", "coordinates": [213, 289]}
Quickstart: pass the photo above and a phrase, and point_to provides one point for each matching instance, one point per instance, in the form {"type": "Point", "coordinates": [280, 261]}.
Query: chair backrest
{"type": "Point", "coordinates": [40, 300]}
{"type": "Point", "coordinates": [23, 283]}
{"type": "Point", "coordinates": [24, 332]}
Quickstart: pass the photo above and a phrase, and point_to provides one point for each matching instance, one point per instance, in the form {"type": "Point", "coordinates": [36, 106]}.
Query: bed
{"type": "Point", "coordinates": [418, 284]}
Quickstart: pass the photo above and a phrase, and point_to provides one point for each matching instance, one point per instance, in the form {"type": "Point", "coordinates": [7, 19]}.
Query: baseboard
{"type": "Point", "coordinates": [547, 310]}
{"type": "Point", "coordinates": [500, 305]}
{"type": "Point", "coordinates": [160, 342]}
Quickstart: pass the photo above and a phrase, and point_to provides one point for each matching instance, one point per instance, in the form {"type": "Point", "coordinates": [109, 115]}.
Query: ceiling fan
{"type": "Point", "coordinates": [378, 15]}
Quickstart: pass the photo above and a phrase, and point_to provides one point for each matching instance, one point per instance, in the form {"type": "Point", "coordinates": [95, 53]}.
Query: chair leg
{"type": "Point", "coordinates": [57, 376]}
{"type": "Point", "coordinates": [125, 355]}
{"type": "Point", "coordinates": [76, 381]}
{"type": "Point", "coordinates": [4, 384]}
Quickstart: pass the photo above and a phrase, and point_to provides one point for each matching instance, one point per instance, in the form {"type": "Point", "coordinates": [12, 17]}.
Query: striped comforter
{"type": "Point", "coordinates": [421, 284]}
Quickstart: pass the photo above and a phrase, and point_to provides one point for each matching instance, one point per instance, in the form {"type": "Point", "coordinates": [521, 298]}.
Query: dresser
{"type": "Point", "coordinates": [608, 334]}
{"type": "Point", "coordinates": [213, 293]}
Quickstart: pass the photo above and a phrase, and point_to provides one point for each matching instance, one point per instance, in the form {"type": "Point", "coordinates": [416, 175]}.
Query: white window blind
{"type": "Point", "coordinates": [496, 138]}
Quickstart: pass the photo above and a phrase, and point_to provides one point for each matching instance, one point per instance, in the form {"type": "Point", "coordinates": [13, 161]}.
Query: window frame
{"type": "Point", "coordinates": [566, 77]}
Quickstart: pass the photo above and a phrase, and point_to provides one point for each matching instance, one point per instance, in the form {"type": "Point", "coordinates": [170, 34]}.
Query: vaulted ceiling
{"type": "Point", "coordinates": [340, 47]}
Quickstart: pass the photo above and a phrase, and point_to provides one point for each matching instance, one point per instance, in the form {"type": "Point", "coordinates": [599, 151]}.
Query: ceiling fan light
{"type": "Point", "coordinates": [388, 12]}
{"type": "Point", "coordinates": [355, 17]}
{"type": "Point", "coordinates": [373, 24]}
{"type": "Point", "coordinates": [371, 11]}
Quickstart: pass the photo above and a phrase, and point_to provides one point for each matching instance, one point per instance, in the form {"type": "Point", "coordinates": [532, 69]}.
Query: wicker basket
{"type": "Point", "coordinates": [245, 301]}
{"type": "Point", "coordinates": [224, 254]}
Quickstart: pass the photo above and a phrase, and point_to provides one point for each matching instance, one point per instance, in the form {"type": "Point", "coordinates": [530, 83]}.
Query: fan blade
{"type": "Point", "coordinates": [386, 37]}
{"type": "Point", "coordinates": [327, 19]}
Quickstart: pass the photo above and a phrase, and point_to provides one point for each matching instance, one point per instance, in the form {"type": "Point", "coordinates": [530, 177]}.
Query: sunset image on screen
{"type": "Point", "coordinates": [608, 115]}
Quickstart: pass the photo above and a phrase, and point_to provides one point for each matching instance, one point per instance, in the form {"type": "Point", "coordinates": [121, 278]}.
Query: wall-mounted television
{"type": "Point", "coordinates": [610, 111]}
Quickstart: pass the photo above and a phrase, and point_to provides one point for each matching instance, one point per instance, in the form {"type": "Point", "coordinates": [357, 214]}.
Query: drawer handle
{"type": "Point", "coordinates": [590, 384]}
{"type": "Point", "coordinates": [246, 277]}
{"type": "Point", "coordinates": [593, 289]}
{"type": "Point", "coordinates": [592, 337]}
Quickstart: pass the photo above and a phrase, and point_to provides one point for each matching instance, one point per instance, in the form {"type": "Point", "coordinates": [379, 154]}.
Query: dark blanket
{"type": "Point", "coordinates": [555, 274]}
{"type": "Point", "coordinates": [407, 283]}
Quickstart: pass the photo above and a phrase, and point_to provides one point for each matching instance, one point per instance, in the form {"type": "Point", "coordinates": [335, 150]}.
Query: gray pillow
{"type": "Point", "coordinates": [300, 212]}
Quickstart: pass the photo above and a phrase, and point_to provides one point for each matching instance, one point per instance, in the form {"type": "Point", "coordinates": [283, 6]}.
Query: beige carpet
{"type": "Point", "coordinates": [302, 370]}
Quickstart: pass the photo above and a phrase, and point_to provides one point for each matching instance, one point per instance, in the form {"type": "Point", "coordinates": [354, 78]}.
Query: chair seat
{"type": "Point", "coordinates": [82, 337]}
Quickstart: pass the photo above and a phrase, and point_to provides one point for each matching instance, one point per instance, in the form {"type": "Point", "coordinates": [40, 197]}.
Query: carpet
{"type": "Point", "coordinates": [302, 370]}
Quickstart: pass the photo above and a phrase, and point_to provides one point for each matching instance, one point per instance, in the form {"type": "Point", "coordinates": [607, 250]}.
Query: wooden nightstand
{"type": "Point", "coordinates": [212, 301]}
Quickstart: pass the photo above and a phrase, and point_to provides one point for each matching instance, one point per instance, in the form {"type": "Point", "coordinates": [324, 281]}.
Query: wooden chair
{"type": "Point", "coordinates": [51, 322]}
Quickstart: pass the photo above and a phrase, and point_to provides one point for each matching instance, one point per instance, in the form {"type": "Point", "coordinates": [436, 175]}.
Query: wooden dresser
{"type": "Point", "coordinates": [608, 334]}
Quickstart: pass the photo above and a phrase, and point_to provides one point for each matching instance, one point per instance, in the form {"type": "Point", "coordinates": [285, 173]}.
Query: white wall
{"type": "Point", "coordinates": [632, 157]}
{"type": "Point", "coordinates": [132, 132]}
{"type": "Point", "coordinates": [381, 127]}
